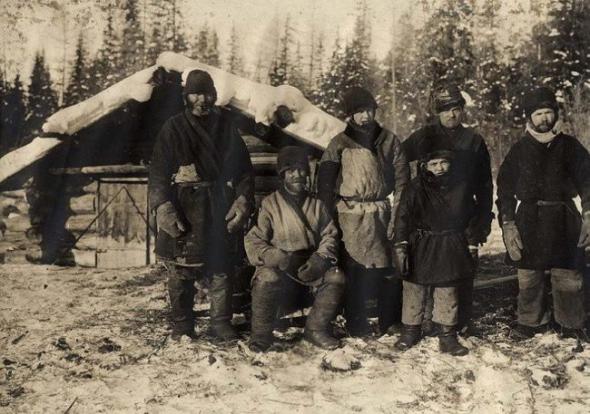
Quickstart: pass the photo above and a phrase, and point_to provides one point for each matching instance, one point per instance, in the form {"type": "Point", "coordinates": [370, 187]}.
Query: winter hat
{"type": "Point", "coordinates": [439, 154]}
{"type": "Point", "coordinates": [540, 98]}
{"type": "Point", "coordinates": [199, 82]}
{"type": "Point", "coordinates": [292, 157]}
{"type": "Point", "coordinates": [357, 98]}
{"type": "Point", "coordinates": [446, 97]}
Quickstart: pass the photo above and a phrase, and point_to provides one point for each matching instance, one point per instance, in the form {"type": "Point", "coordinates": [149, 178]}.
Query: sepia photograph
{"type": "Point", "coordinates": [305, 206]}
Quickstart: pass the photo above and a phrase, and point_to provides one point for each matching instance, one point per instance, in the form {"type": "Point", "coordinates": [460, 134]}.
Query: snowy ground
{"type": "Point", "coordinates": [88, 340]}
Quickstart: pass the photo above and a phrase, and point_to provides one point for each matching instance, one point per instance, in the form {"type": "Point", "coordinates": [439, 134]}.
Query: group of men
{"type": "Point", "coordinates": [370, 230]}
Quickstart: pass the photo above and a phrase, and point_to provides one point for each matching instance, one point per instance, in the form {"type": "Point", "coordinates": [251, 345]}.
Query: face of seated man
{"type": "Point", "coordinates": [200, 104]}
{"type": "Point", "coordinates": [295, 180]}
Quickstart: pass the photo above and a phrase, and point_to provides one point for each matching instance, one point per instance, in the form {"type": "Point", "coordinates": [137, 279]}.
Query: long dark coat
{"type": "Point", "coordinates": [545, 178]}
{"type": "Point", "coordinates": [213, 146]}
{"type": "Point", "coordinates": [471, 163]}
{"type": "Point", "coordinates": [433, 217]}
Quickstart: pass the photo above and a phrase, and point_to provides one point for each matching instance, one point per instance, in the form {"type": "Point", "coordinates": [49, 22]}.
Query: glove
{"type": "Point", "coordinates": [314, 268]}
{"type": "Point", "coordinates": [584, 240]}
{"type": "Point", "coordinates": [276, 258]}
{"type": "Point", "coordinates": [474, 252]}
{"type": "Point", "coordinates": [167, 219]}
{"type": "Point", "coordinates": [238, 214]}
{"type": "Point", "coordinates": [512, 240]}
{"type": "Point", "coordinates": [400, 259]}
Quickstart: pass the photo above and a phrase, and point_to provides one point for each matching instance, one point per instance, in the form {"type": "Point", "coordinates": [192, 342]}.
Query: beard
{"type": "Point", "coordinates": [544, 126]}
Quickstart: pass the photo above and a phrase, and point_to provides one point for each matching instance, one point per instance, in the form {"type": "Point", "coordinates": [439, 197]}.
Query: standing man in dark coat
{"type": "Point", "coordinates": [294, 246]}
{"type": "Point", "coordinates": [431, 248]}
{"type": "Point", "coordinates": [544, 171]}
{"type": "Point", "coordinates": [471, 163]}
{"type": "Point", "coordinates": [201, 187]}
{"type": "Point", "coordinates": [359, 171]}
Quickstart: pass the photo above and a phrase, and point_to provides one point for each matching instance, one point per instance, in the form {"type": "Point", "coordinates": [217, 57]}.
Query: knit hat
{"type": "Point", "coordinates": [439, 154]}
{"type": "Point", "coordinates": [357, 98]}
{"type": "Point", "coordinates": [446, 97]}
{"type": "Point", "coordinates": [292, 157]}
{"type": "Point", "coordinates": [540, 98]}
{"type": "Point", "coordinates": [199, 82]}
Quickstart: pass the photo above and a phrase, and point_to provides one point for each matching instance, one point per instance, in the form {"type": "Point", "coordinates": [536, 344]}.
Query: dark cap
{"type": "Point", "coordinates": [540, 98]}
{"type": "Point", "coordinates": [439, 154]}
{"type": "Point", "coordinates": [199, 82]}
{"type": "Point", "coordinates": [446, 97]}
{"type": "Point", "coordinates": [356, 99]}
{"type": "Point", "coordinates": [292, 157]}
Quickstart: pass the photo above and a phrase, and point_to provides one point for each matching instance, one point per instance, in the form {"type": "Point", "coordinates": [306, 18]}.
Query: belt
{"type": "Point", "coordinates": [423, 232]}
{"type": "Point", "coordinates": [569, 204]}
{"type": "Point", "coordinates": [195, 184]}
{"type": "Point", "coordinates": [362, 199]}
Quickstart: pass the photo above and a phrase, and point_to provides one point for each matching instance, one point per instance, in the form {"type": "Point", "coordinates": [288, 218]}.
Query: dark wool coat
{"type": "Point", "coordinates": [357, 173]}
{"type": "Point", "coordinates": [213, 150]}
{"type": "Point", "coordinates": [471, 164]}
{"type": "Point", "coordinates": [545, 178]}
{"type": "Point", "coordinates": [433, 217]}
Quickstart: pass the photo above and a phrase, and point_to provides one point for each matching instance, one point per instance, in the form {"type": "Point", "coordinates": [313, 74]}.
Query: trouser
{"type": "Point", "coordinates": [568, 298]}
{"type": "Point", "coordinates": [465, 307]}
{"type": "Point", "coordinates": [181, 290]}
{"type": "Point", "coordinates": [362, 284]}
{"type": "Point", "coordinates": [272, 288]}
{"type": "Point", "coordinates": [445, 304]}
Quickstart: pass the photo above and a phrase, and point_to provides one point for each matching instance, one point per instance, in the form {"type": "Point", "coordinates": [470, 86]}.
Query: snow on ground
{"type": "Point", "coordinates": [93, 340]}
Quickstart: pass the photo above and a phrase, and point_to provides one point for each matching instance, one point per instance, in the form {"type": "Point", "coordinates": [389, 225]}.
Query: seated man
{"type": "Point", "coordinates": [294, 245]}
{"type": "Point", "coordinates": [431, 249]}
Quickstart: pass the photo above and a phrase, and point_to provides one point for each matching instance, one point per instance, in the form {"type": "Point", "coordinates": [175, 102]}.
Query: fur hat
{"type": "Point", "coordinates": [357, 98]}
{"type": "Point", "coordinates": [446, 97]}
{"type": "Point", "coordinates": [540, 98]}
{"type": "Point", "coordinates": [199, 82]}
{"type": "Point", "coordinates": [439, 154]}
{"type": "Point", "coordinates": [292, 157]}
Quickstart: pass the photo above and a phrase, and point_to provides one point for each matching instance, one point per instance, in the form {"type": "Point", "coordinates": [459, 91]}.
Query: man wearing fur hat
{"type": "Point", "coordinates": [471, 163]}
{"type": "Point", "coordinates": [542, 173]}
{"type": "Point", "coordinates": [431, 249]}
{"type": "Point", "coordinates": [201, 188]}
{"type": "Point", "coordinates": [294, 245]}
{"type": "Point", "coordinates": [360, 169]}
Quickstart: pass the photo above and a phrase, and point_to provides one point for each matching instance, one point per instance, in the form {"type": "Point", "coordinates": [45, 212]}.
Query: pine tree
{"type": "Point", "coordinates": [133, 47]}
{"type": "Point", "coordinates": [106, 68]}
{"type": "Point", "coordinates": [278, 74]}
{"type": "Point", "coordinates": [13, 116]}
{"type": "Point", "coordinates": [201, 44]}
{"type": "Point", "coordinates": [328, 95]}
{"type": "Point", "coordinates": [234, 63]}
{"type": "Point", "coordinates": [212, 51]}
{"type": "Point", "coordinates": [78, 88]}
{"type": "Point", "coordinates": [42, 99]}
{"type": "Point", "coordinates": [157, 42]}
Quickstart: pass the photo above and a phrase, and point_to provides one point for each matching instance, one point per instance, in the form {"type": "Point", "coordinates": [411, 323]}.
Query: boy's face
{"type": "Point", "coordinates": [295, 180]}
{"type": "Point", "coordinates": [364, 116]}
{"type": "Point", "coordinates": [438, 166]}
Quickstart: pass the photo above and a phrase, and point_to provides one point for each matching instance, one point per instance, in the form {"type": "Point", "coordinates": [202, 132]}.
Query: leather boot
{"type": "Point", "coordinates": [265, 304]}
{"type": "Point", "coordinates": [449, 343]}
{"type": "Point", "coordinates": [220, 311]}
{"type": "Point", "coordinates": [182, 294]}
{"type": "Point", "coordinates": [410, 336]}
{"type": "Point", "coordinates": [324, 310]}
{"type": "Point", "coordinates": [389, 304]}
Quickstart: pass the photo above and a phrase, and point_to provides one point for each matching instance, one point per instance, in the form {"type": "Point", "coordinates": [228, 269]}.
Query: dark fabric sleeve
{"type": "Point", "coordinates": [328, 175]}
{"type": "Point", "coordinates": [402, 172]}
{"type": "Point", "coordinates": [410, 145]}
{"type": "Point", "coordinates": [161, 169]}
{"type": "Point", "coordinates": [329, 238]}
{"type": "Point", "coordinates": [507, 178]}
{"type": "Point", "coordinates": [580, 172]}
{"type": "Point", "coordinates": [403, 216]}
{"type": "Point", "coordinates": [243, 172]}
{"type": "Point", "coordinates": [481, 224]}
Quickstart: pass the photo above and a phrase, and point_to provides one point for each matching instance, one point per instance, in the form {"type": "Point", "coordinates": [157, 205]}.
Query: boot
{"type": "Point", "coordinates": [579, 334]}
{"type": "Point", "coordinates": [220, 311]}
{"type": "Point", "coordinates": [182, 294]}
{"type": "Point", "coordinates": [429, 328]}
{"type": "Point", "coordinates": [449, 343]}
{"type": "Point", "coordinates": [265, 304]}
{"type": "Point", "coordinates": [524, 332]}
{"type": "Point", "coordinates": [389, 304]}
{"type": "Point", "coordinates": [323, 311]}
{"type": "Point", "coordinates": [410, 336]}
{"type": "Point", "coordinates": [355, 309]}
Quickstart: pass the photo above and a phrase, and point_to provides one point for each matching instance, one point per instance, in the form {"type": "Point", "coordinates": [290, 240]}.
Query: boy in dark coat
{"type": "Point", "coordinates": [294, 246]}
{"type": "Point", "coordinates": [201, 187]}
{"type": "Point", "coordinates": [431, 249]}
{"type": "Point", "coordinates": [471, 163]}
{"type": "Point", "coordinates": [544, 171]}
